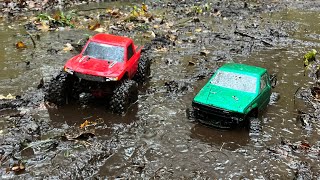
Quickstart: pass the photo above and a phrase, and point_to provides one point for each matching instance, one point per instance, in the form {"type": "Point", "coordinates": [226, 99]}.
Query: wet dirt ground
{"type": "Point", "coordinates": [155, 139]}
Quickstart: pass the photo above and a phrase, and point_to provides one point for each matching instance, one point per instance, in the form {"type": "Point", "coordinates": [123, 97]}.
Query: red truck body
{"type": "Point", "coordinates": [109, 66]}
{"type": "Point", "coordinates": [124, 63]}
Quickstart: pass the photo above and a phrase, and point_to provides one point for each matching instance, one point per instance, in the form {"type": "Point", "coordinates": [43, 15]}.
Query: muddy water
{"type": "Point", "coordinates": [155, 139]}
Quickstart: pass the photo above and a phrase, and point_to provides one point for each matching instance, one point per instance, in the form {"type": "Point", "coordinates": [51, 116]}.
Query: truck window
{"type": "Point", "coordinates": [236, 81]}
{"type": "Point", "coordinates": [104, 52]}
{"type": "Point", "coordinates": [263, 82]}
{"type": "Point", "coordinates": [129, 51]}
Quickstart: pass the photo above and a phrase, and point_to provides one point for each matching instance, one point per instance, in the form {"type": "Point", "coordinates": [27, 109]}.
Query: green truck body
{"type": "Point", "coordinates": [233, 93]}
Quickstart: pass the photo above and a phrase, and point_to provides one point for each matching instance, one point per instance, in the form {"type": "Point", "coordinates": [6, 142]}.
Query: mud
{"type": "Point", "coordinates": [155, 139]}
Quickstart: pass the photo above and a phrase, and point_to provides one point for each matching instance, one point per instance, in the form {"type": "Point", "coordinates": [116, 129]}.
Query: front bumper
{"type": "Point", "coordinates": [217, 117]}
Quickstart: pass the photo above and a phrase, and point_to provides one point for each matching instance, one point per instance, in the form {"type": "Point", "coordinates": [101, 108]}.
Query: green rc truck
{"type": "Point", "coordinates": [233, 94]}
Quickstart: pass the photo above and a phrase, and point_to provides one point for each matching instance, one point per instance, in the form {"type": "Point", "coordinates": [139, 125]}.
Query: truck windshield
{"type": "Point", "coordinates": [104, 52]}
{"type": "Point", "coordinates": [235, 81]}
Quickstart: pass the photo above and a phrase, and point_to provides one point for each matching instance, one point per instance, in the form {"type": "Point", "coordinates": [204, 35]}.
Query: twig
{"type": "Point", "coordinates": [89, 9]}
{"type": "Point", "coordinates": [221, 146]}
{"type": "Point", "coordinates": [33, 42]}
{"type": "Point", "coordinates": [185, 21]}
{"type": "Point", "coordinates": [295, 95]}
{"type": "Point", "coordinates": [247, 35]}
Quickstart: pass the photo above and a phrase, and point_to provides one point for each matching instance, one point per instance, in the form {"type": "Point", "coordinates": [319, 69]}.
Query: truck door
{"type": "Point", "coordinates": [265, 91]}
{"type": "Point", "coordinates": [132, 61]}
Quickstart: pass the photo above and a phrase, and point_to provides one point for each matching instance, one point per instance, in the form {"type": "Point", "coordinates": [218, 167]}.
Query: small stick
{"type": "Point", "coordinates": [33, 42]}
{"type": "Point", "coordinates": [221, 146]}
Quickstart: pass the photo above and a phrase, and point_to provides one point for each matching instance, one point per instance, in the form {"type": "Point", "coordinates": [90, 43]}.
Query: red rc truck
{"type": "Point", "coordinates": [108, 65]}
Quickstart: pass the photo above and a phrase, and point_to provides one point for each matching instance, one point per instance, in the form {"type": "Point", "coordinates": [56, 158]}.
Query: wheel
{"type": "Point", "coordinates": [56, 90]}
{"type": "Point", "coordinates": [254, 126]}
{"type": "Point", "coordinates": [76, 88]}
{"type": "Point", "coordinates": [143, 70]}
{"type": "Point", "coordinates": [190, 113]}
{"type": "Point", "coordinates": [125, 94]}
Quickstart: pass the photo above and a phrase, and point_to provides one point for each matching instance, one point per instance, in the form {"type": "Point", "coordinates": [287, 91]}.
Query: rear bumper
{"type": "Point", "coordinates": [217, 117]}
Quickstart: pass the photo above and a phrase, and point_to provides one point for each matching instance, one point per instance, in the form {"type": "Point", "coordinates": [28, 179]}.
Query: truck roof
{"type": "Point", "coordinates": [111, 39]}
{"type": "Point", "coordinates": [243, 69]}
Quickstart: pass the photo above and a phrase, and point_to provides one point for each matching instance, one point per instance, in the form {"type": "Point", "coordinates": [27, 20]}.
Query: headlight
{"type": "Point", "coordinates": [111, 79]}
{"type": "Point", "coordinates": [70, 71]}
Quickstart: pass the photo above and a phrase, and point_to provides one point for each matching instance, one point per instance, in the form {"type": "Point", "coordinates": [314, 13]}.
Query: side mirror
{"type": "Point", "coordinates": [273, 80]}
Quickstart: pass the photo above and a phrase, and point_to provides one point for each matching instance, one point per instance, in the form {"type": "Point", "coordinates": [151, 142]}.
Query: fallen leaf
{"type": "Point", "coordinates": [82, 136]}
{"type": "Point", "coordinates": [216, 12]}
{"type": "Point", "coordinates": [20, 45]}
{"type": "Point", "coordinates": [68, 47]}
{"type": "Point", "coordinates": [130, 25]}
{"type": "Point", "coordinates": [172, 37]}
{"type": "Point", "coordinates": [204, 52]}
{"type": "Point", "coordinates": [87, 123]}
{"type": "Point", "coordinates": [9, 96]}
{"type": "Point", "coordinates": [84, 124]}
{"type": "Point", "coordinates": [305, 146]}
{"type": "Point", "coordinates": [315, 92]}
{"type": "Point", "coordinates": [198, 30]}
{"type": "Point", "coordinates": [94, 26]}
{"type": "Point", "coordinates": [43, 27]}
{"type": "Point", "coordinates": [144, 7]}
{"type": "Point", "coordinates": [56, 16]}
{"type": "Point", "coordinates": [153, 35]}
{"type": "Point", "coordinates": [163, 49]}
{"type": "Point", "coordinates": [114, 28]}
{"type": "Point", "coordinates": [149, 34]}
{"type": "Point", "coordinates": [100, 30]}
{"type": "Point", "coordinates": [18, 167]}
{"type": "Point", "coordinates": [114, 12]}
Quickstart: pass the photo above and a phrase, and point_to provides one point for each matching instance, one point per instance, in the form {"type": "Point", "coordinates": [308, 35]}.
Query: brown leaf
{"type": "Point", "coordinates": [84, 124]}
{"type": "Point", "coordinates": [305, 146]}
{"type": "Point", "coordinates": [191, 63]}
{"type": "Point", "coordinates": [172, 37]}
{"type": "Point", "coordinates": [20, 45]}
{"type": "Point", "coordinates": [68, 47]}
{"type": "Point", "coordinates": [9, 96]}
{"type": "Point", "coordinates": [56, 16]}
{"type": "Point", "coordinates": [198, 30]}
{"type": "Point", "coordinates": [114, 12]}
{"type": "Point", "coordinates": [87, 123]}
{"type": "Point", "coordinates": [100, 30]}
{"type": "Point", "coordinates": [149, 34]}
{"type": "Point", "coordinates": [144, 7]}
{"type": "Point", "coordinates": [163, 49]}
{"type": "Point", "coordinates": [204, 52]}
{"type": "Point", "coordinates": [315, 91]}
{"type": "Point", "coordinates": [82, 136]}
{"type": "Point", "coordinates": [94, 26]}
{"type": "Point", "coordinates": [18, 167]}
{"type": "Point", "coordinates": [43, 27]}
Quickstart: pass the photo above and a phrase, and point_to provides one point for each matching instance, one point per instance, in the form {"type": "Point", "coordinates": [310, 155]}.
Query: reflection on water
{"type": "Point", "coordinates": [75, 115]}
{"type": "Point", "coordinates": [228, 139]}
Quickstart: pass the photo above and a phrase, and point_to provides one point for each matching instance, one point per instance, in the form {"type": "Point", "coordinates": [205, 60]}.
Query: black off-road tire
{"type": "Point", "coordinates": [190, 113]}
{"type": "Point", "coordinates": [56, 90]}
{"type": "Point", "coordinates": [143, 71]}
{"type": "Point", "coordinates": [255, 126]}
{"type": "Point", "coordinates": [125, 94]}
